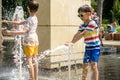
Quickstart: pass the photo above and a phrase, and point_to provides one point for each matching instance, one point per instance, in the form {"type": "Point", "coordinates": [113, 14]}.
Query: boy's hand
{"type": "Point", "coordinates": [7, 32]}
{"type": "Point", "coordinates": [5, 21]}
{"type": "Point", "coordinates": [69, 44]}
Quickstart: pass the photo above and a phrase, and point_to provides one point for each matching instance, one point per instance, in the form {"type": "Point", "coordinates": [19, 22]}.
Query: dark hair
{"type": "Point", "coordinates": [85, 8]}
{"type": "Point", "coordinates": [33, 6]}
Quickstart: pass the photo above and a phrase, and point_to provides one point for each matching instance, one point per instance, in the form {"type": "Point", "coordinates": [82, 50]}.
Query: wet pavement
{"type": "Point", "coordinates": [108, 67]}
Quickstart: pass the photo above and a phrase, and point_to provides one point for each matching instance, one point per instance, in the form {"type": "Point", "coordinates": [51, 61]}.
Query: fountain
{"type": "Point", "coordinates": [20, 72]}
{"type": "Point", "coordinates": [18, 52]}
{"type": "Point", "coordinates": [62, 47]}
{"type": "Point", "coordinates": [1, 41]}
{"type": "Point", "coordinates": [18, 16]}
{"type": "Point", "coordinates": [1, 49]}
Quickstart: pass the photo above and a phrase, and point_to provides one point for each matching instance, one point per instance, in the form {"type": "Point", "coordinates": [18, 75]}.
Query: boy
{"type": "Point", "coordinates": [90, 31]}
{"type": "Point", "coordinates": [30, 41]}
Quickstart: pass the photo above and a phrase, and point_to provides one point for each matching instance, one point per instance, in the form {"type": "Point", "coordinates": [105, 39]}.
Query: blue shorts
{"type": "Point", "coordinates": [91, 56]}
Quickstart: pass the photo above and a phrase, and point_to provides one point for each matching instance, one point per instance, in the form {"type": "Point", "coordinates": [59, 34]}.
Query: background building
{"type": "Point", "coordinates": [58, 22]}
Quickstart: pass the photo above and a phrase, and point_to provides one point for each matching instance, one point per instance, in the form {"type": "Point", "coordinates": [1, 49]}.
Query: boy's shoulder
{"type": "Point", "coordinates": [32, 18]}
{"type": "Point", "coordinates": [91, 22]}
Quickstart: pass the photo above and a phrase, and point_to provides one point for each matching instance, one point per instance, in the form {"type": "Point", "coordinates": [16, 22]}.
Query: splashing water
{"type": "Point", "coordinates": [63, 48]}
{"type": "Point", "coordinates": [48, 52]}
{"type": "Point", "coordinates": [17, 61]}
{"type": "Point", "coordinates": [18, 52]}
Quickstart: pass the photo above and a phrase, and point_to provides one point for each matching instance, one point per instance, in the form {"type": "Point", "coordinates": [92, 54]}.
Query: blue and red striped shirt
{"type": "Point", "coordinates": [91, 38]}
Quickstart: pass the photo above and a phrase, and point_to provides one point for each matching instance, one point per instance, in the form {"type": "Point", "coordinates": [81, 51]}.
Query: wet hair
{"type": "Point", "coordinates": [85, 8]}
{"type": "Point", "coordinates": [33, 6]}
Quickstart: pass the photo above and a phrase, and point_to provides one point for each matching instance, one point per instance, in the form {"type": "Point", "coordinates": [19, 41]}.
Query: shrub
{"type": "Point", "coordinates": [118, 28]}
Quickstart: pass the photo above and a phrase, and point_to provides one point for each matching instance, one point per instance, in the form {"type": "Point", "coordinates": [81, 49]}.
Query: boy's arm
{"type": "Point", "coordinates": [14, 22]}
{"type": "Point", "coordinates": [78, 36]}
{"type": "Point", "coordinates": [8, 32]}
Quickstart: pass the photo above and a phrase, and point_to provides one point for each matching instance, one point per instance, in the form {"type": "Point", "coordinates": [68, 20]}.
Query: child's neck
{"type": "Point", "coordinates": [86, 22]}
{"type": "Point", "coordinates": [32, 14]}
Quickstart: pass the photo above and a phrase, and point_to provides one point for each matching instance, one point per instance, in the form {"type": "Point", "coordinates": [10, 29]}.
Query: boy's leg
{"type": "Point", "coordinates": [35, 67]}
{"type": "Point", "coordinates": [86, 62]}
{"type": "Point", "coordinates": [95, 70]}
{"type": "Point", "coordinates": [94, 64]}
{"type": "Point", "coordinates": [85, 71]}
{"type": "Point", "coordinates": [35, 61]}
{"type": "Point", "coordinates": [30, 67]}
{"type": "Point", "coordinates": [28, 50]}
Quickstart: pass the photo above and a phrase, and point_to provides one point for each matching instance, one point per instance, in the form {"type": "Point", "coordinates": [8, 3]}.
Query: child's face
{"type": "Point", "coordinates": [84, 15]}
{"type": "Point", "coordinates": [114, 24]}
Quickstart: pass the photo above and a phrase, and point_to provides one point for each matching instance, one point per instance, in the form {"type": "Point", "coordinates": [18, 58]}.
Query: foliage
{"type": "Point", "coordinates": [8, 10]}
{"type": "Point", "coordinates": [118, 28]}
{"type": "Point", "coordinates": [107, 7]}
{"type": "Point", "coordinates": [111, 10]}
{"type": "Point", "coordinates": [105, 26]}
{"type": "Point", "coordinates": [116, 11]}
{"type": "Point", "coordinates": [105, 21]}
{"type": "Point", "coordinates": [94, 4]}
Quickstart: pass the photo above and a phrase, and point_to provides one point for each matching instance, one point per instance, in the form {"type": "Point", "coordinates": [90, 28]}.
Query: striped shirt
{"type": "Point", "coordinates": [91, 38]}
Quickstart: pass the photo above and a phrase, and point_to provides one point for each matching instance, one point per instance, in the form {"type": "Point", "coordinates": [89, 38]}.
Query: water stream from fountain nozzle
{"type": "Point", "coordinates": [18, 16]}
{"type": "Point", "coordinates": [66, 49]}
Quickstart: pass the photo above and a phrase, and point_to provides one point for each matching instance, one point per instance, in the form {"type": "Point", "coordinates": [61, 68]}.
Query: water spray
{"type": "Point", "coordinates": [18, 16]}
{"type": "Point", "coordinates": [62, 47]}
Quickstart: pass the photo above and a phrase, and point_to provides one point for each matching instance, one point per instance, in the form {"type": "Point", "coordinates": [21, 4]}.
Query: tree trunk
{"type": "Point", "coordinates": [113, 16]}
{"type": "Point", "coordinates": [1, 39]}
{"type": "Point", "coordinates": [99, 9]}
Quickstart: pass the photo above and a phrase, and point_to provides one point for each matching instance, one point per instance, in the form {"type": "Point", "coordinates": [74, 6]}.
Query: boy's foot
{"type": "Point", "coordinates": [30, 79]}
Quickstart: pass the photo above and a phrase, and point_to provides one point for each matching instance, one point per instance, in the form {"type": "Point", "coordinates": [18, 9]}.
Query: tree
{"type": "Point", "coordinates": [98, 6]}
{"type": "Point", "coordinates": [100, 9]}
{"type": "Point", "coordinates": [116, 11]}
